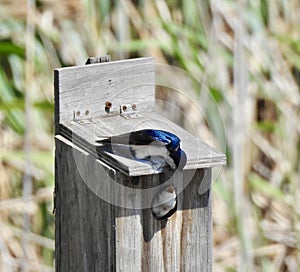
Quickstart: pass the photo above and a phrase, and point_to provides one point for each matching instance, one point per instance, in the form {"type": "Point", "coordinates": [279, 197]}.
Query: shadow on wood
{"type": "Point", "coordinates": [91, 232]}
{"type": "Point", "coordinates": [103, 201]}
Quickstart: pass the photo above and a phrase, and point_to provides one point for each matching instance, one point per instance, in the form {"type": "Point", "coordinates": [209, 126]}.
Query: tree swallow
{"type": "Point", "coordinates": [164, 204]}
{"type": "Point", "coordinates": [159, 148]}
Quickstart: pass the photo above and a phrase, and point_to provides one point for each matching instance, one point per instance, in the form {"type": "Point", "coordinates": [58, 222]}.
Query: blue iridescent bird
{"type": "Point", "coordinates": [158, 147]}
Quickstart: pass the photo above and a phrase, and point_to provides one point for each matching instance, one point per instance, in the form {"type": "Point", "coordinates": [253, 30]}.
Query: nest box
{"type": "Point", "coordinates": [103, 200]}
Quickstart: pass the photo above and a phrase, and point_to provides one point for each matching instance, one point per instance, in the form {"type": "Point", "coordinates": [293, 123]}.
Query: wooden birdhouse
{"type": "Point", "coordinates": [105, 219]}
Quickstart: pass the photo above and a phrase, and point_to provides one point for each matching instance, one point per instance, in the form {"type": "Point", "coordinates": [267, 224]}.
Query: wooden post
{"type": "Point", "coordinates": [103, 218]}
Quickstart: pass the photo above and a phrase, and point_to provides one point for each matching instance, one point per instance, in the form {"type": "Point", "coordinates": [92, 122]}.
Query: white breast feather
{"type": "Point", "coordinates": [142, 151]}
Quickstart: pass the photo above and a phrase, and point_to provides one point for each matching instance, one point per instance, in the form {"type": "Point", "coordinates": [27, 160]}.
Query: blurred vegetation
{"type": "Point", "coordinates": [247, 53]}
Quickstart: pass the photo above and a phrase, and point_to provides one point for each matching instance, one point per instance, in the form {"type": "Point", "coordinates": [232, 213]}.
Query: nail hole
{"type": "Point", "coordinates": [124, 108]}
{"type": "Point", "coordinates": [133, 106]}
{"type": "Point", "coordinates": [78, 113]}
{"type": "Point", "coordinates": [87, 112]}
{"type": "Point", "coordinates": [109, 80]}
{"type": "Point", "coordinates": [108, 104]}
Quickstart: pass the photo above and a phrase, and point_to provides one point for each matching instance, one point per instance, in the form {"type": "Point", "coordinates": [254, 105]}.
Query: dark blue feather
{"type": "Point", "coordinates": [132, 144]}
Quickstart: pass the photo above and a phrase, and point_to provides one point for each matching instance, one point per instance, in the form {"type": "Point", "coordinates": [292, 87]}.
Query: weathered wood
{"type": "Point", "coordinates": [82, 91]}
{"type": "Point", "coordinates": [101, 59]}
{"type": "Point", "coordinates": [94, 235]}
{"type": "Point", "coordinates": [103, 201]}
{"type": "Point", "coordinates": [199, 154]}
{"type": "Point", "coordinates": [84, 223]}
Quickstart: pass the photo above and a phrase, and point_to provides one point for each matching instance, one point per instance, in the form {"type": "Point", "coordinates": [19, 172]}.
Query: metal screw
{"type": "Point", "coordinates": [133, 106]}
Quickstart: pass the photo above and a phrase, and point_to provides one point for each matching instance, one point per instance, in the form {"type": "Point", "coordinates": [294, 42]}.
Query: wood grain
{"type": "Point", "coordinates": [84, 223]}
{"type": "Point", "coordinates": [82, 91]}
{"type": "Point", "coordinates": [103, 201]}
{"type": "Point", "coordinates": [85, 133]}
{"type": "Point", "coordinates": [94, 235]}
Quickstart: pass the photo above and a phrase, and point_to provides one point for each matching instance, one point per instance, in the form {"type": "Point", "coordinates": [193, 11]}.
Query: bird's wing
{"type": "Point", "coordinates": [140, 137]}
{"type": "Point", "coordinates": [146, 137]}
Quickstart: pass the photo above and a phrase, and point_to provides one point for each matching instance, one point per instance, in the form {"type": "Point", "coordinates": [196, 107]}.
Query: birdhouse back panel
{"type": "Point", "coordinates": [82, 92]}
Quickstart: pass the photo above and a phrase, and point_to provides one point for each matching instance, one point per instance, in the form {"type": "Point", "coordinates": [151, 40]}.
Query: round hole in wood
{"type": "Point", "coordinates": [108, 104]}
